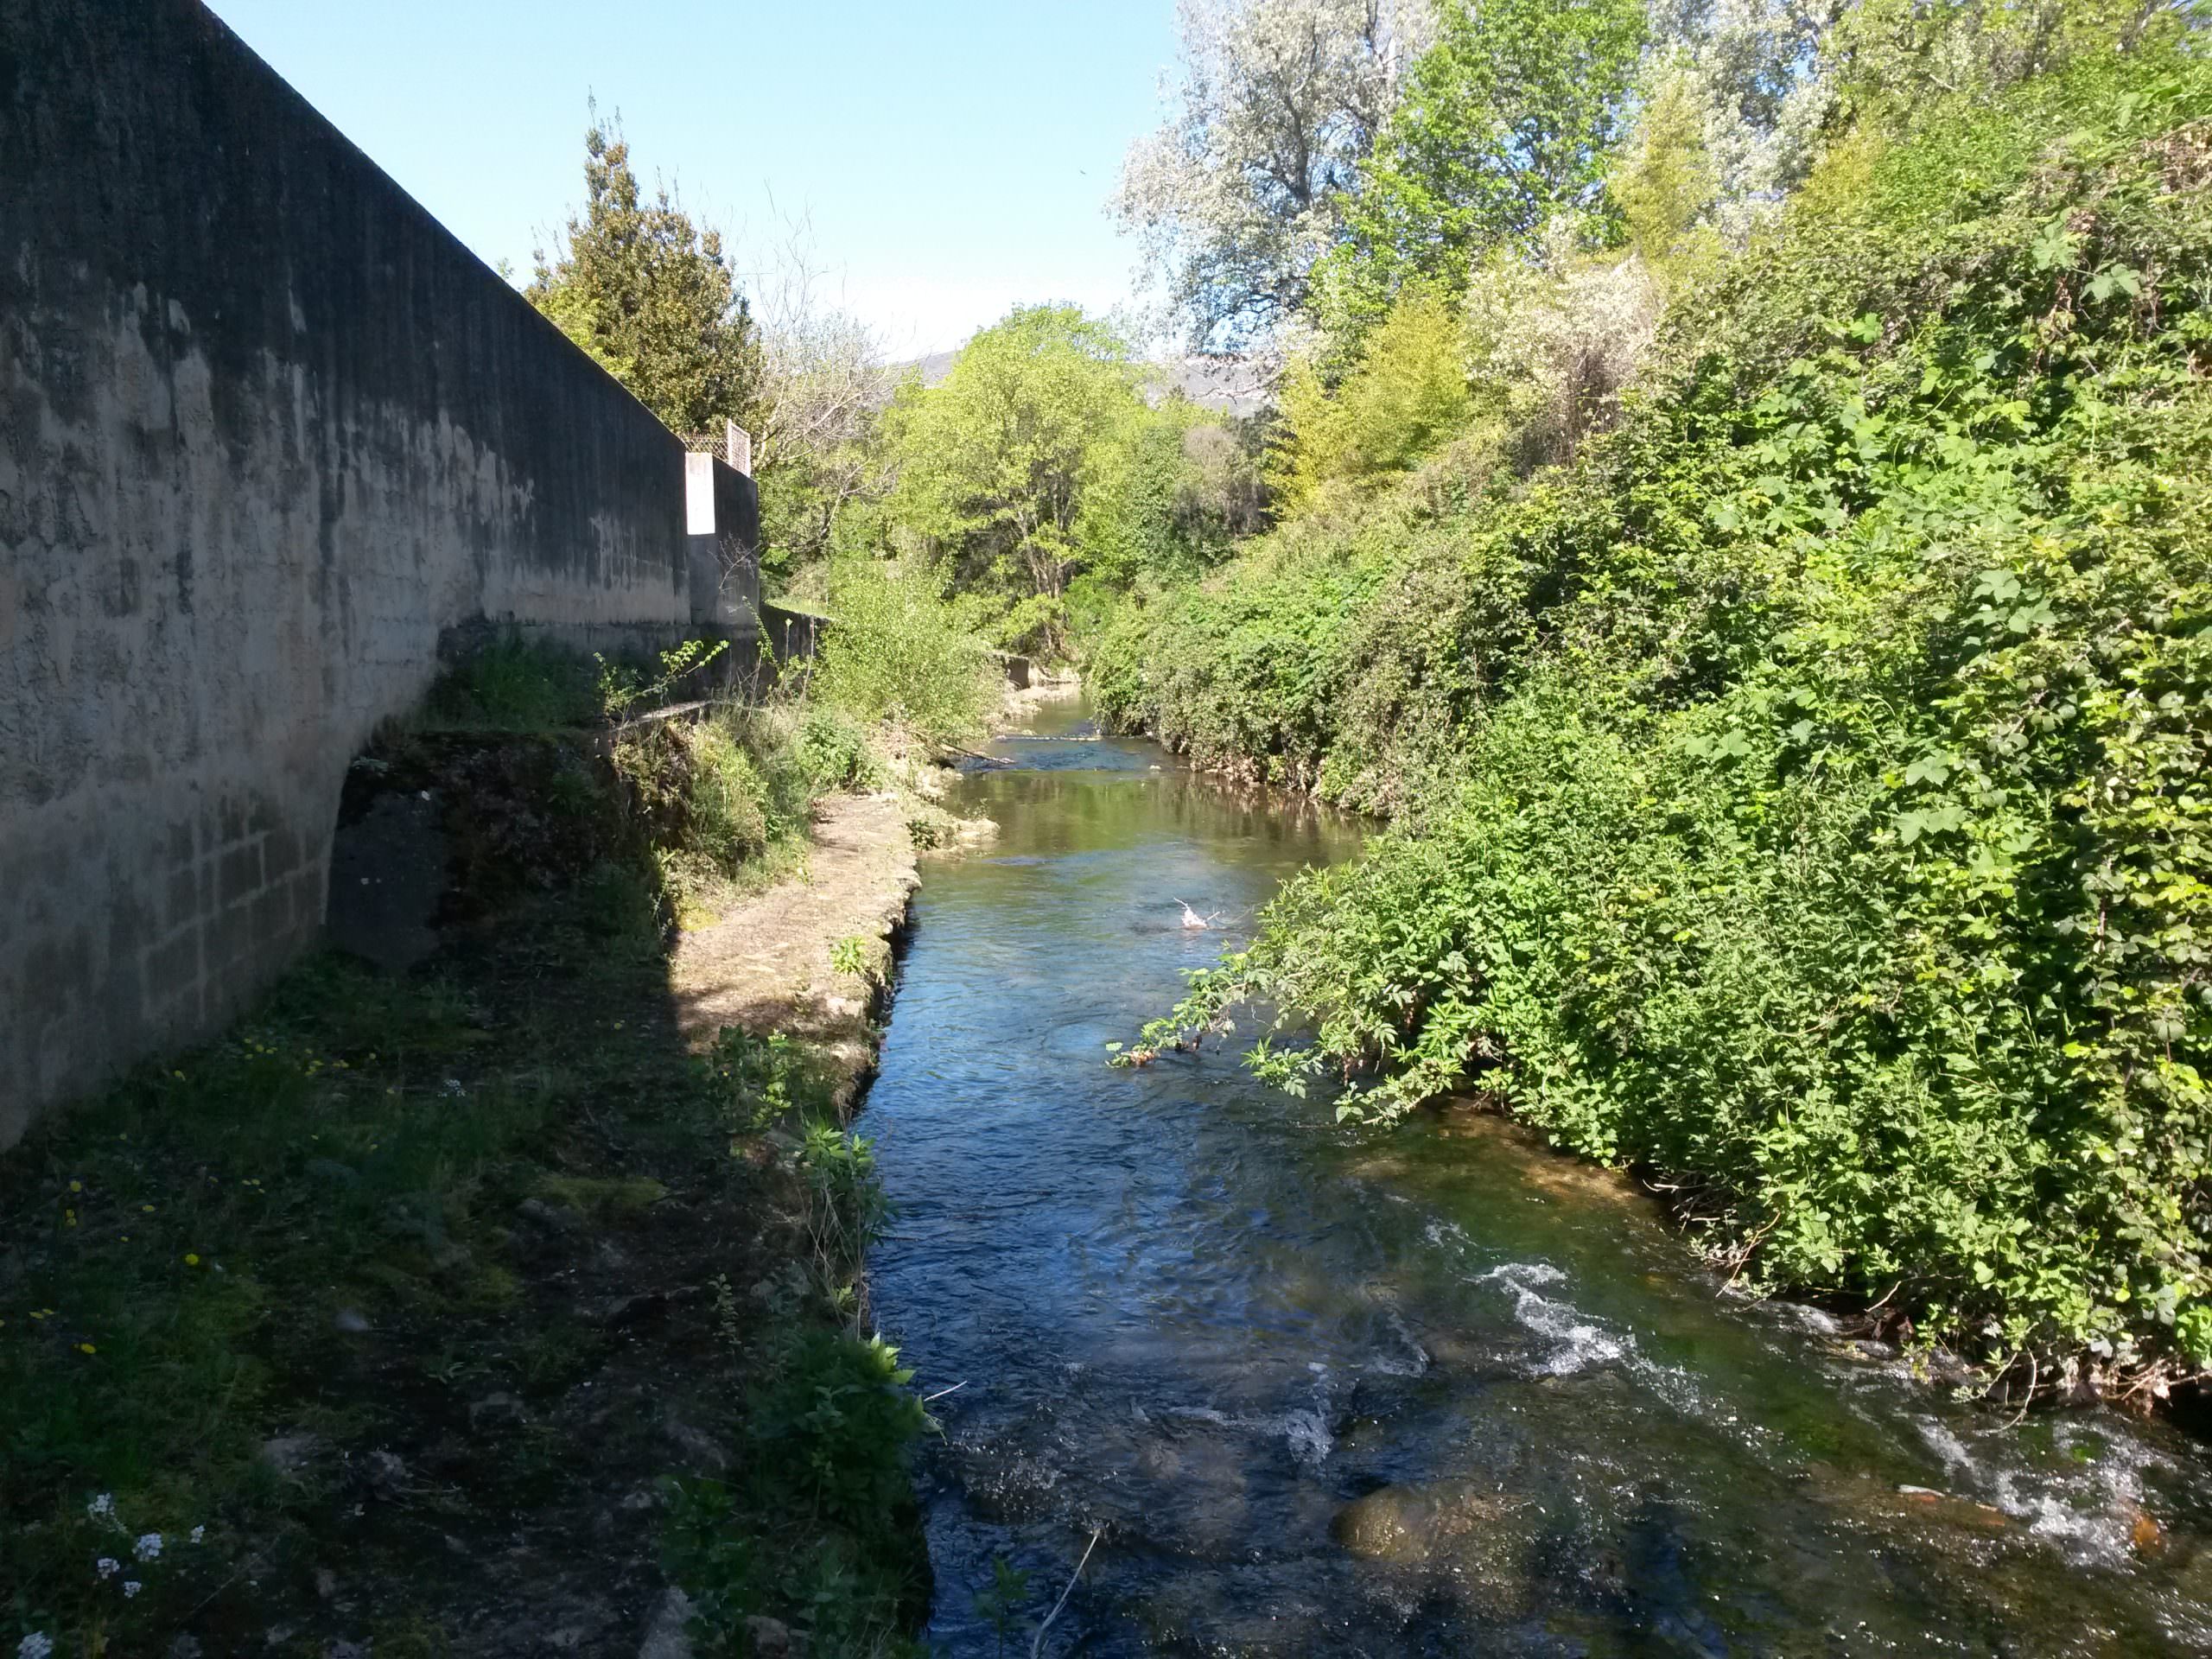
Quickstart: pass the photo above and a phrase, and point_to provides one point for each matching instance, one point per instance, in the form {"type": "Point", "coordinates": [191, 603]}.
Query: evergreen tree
{"type": "Point", "coordinates": [652, 297]}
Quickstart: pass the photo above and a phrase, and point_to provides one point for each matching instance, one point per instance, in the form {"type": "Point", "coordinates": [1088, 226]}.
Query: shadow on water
{"type": "Point", "coordinates": [1427, 1389]}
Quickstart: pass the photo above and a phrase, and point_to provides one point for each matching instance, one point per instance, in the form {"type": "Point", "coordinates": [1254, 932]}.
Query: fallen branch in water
{"type": "Point", "coordinates": [1038, 1646]}
{"type": "Point", "coordinates": [976, 754]}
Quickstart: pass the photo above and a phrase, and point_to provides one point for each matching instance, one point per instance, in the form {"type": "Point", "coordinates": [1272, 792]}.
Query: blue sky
{"type": "Point", "coordinates": [952, 159]}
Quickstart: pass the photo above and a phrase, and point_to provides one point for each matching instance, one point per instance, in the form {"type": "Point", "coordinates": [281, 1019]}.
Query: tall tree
{"type": "Point", "coordinates": [1756, 78]}
{"type": "Point", "coordinates": [995, 463]}
{"type": "Point", "coordinates": [1243, 188]}
{"type": "Point", "coordinates": [1506, 122]}
{"type": "Point", "coordinates": [823, 389]}
{"type": "Point", "coordinates": [650, 295]}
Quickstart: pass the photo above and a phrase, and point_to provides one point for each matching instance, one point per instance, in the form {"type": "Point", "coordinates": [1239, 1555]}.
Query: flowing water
{"type": "Point", "coordinates": [1427, 1389]}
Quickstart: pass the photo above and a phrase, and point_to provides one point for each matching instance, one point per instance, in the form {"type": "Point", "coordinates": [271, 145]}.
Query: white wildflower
{"type": "Point", "coordinates": [107, 1566]}
{"type": "Point", "coordinates": [37, 1646]}
{"type": "Point", "coordinates": [198, 1533]}
{"type": "Point", "coordinates": [148, 1549]}
{"type": "Point", "coordinates": [132, 1587]}
{"type": "Point", "coordinates": [102, 1507]}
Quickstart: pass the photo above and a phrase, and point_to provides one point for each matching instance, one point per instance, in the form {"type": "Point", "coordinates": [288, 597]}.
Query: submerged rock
{"type": "Point", "coordinates": [495, 1411]}
{"type": "Point", "coordinates": [1402, 1524]}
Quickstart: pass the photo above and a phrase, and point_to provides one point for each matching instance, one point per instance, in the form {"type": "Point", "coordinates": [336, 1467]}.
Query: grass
{"type": "Point", "coordinates": [347, 1295]}
{"type": "Point", "coordinates": [186, 1252]}
{"type": "Point", "coordinates": [514, 684]}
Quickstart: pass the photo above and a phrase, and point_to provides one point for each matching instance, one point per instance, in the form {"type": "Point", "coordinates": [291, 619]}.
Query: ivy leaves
{"type": "Point", "coordinates": [1826, 825]}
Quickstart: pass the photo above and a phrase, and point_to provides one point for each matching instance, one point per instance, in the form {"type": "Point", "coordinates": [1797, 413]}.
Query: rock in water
{"type": "Point", "coordinates": [671, 1635]}
{"type": "Point", "coordinates": [1406, 1524]}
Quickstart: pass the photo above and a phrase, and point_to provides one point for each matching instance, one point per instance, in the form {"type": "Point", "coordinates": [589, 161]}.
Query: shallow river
{"type": "Point", "coordinates": [1428, 1389]}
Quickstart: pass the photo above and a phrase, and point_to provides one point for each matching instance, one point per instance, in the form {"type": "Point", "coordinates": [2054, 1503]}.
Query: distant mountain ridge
{"type": "Point", "coordinates": [1235, 385]}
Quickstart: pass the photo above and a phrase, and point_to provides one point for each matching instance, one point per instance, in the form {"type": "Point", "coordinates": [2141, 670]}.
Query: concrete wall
{"type": "Point", "coordinates": [722, 516]}
{"type": "Point", "coordinates": [266, 430]}
{"type": "Point", "coordinates": [792, 635]}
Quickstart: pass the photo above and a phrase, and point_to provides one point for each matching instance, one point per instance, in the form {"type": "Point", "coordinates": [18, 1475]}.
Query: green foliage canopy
{"type": "Point", "coordinates": [1506, 122]}
{"type": "Point", "coordinates": [1404, 396]}
{"type": "Point", "coordinates": [997, 461]}
{"type": "Point", "coordinates": [1041, 460]}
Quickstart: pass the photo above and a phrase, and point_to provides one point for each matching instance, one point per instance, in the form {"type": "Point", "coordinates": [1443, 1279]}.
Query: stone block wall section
{"type": "Point", "coordinates": [266, 432]}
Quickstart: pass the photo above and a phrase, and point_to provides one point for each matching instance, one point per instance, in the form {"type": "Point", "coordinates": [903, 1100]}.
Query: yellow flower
{"type": "Point", "coordinates": [148, 1208]}
{"type": "Point", "coordinates": [191, 1259]}
{"type": "Point", "coordinates": [76, 1186]}
{"type": "Point", "coordinates": [87, 1348]}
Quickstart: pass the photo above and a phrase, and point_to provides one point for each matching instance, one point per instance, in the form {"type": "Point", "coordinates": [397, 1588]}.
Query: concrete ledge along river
{"type": "Point", "coordinates": [1424, 1389]}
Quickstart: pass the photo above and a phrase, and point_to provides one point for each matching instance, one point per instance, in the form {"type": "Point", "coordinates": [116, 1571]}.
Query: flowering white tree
{"type": "Point", "coordinates": [1758, 75]}
{"type": "Point", "coordinates": [823, 386]}
{"type": "Point", "coordinates": [1551, 342]}
{"type": "Point", "coordinates": [1241, 189]}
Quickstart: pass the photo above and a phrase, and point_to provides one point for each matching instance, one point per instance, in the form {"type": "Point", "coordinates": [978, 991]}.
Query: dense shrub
{"type": "Point", "coordinates": [901, 650]}
{"type": "Point", "coordinates": [720, 799]}
{"type": "Point", "coordinates": [1804, 794]}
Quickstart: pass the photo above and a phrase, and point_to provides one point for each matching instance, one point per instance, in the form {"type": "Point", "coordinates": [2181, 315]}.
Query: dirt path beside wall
{"type": "Point", "coordinates": [766, 967]}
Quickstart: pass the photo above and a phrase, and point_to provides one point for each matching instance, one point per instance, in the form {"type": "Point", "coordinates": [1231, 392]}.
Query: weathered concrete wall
{"type": "Point", "coordinates": [265, 430]}
{"type": "Point", "coordinates": [792, 635]}
{"type": "Point", "coordinates": [722, 515]}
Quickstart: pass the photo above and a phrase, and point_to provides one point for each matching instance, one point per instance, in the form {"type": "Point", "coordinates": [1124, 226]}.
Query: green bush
{"type": "Point", "coordinates": [719, 798]}
{"type": "Point", "coordinates": [729, 802]}
{"type": "Point", "coordinates": [900, 651]}
{"type": "Point", "coordinates": [832, 1446]}
{"type": "Point", "coordinates": [1404, 397]}
{"type": "Point", "coordinates": [1803, 794]}
{"type": "Point", "coordinates": [831, 747]}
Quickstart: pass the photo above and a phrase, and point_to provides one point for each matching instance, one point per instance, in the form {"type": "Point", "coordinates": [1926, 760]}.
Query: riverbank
{"type": "Point", "coordinates": [458, 1310]}
{"type": "Point", "coordinates": [1280, 1384]}
{"type": "Point", "coordinates": [1751, 823]}
{"type": "Point", "coordinates": [810, 957]}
